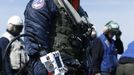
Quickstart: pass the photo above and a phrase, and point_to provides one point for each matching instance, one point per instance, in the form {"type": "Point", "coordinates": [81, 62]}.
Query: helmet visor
{"type": "Point", "coordinates": [18, 28]}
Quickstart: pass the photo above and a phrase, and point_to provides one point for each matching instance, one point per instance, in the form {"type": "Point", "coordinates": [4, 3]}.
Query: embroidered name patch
{"type": "Point", "coordinates": [38, 4]}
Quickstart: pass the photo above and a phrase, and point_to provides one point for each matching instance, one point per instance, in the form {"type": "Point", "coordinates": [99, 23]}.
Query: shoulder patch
{"type": "Point", "coordinates": [38, 4]}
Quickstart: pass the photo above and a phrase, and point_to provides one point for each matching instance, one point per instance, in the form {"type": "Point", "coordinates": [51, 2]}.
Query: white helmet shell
{"type": "Point", "coordinates": [15, 20]}
{"type": "Point", "coordinates": [111, 25]}
{"type": "Point", "coordinates": [94, 32]}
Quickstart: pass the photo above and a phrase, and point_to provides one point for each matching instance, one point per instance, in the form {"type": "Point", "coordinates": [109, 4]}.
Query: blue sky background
{"type": "Point", "coordinates": [99, 11]}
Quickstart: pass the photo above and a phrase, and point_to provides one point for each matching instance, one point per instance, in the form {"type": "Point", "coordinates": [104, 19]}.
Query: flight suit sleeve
{"type": "Point", "coordinates": [38, 21]}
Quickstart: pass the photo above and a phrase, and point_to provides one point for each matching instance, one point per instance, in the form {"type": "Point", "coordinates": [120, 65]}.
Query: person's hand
{"type": "Point", "coordinates": [118, 34]}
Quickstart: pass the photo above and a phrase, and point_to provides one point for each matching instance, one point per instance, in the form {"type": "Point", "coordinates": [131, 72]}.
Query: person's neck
{"type": "Point", "coordinates": [108, 38]}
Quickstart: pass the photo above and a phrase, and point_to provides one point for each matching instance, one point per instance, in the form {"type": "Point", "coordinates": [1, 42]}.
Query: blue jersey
{"type": "Point", "coordinates": [109, 61]}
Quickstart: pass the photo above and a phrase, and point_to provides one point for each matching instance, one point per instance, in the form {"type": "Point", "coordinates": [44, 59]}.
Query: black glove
{"type": "Point", "coordinates": [118, 34]}
{"type": "Point", "coordinates": [70, 61]}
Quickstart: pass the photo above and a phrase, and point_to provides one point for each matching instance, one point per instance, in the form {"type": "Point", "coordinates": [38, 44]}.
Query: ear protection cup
{"type": "Point", "coordinates": [11, 28]}
{"type": "Point", "coordinates": [106, 28]}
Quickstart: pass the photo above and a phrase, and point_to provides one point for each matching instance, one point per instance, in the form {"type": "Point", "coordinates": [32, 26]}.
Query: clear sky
{"type": "Point", "coordinates": [99, 11]}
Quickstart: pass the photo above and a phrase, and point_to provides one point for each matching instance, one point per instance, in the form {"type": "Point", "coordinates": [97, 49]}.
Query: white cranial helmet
{"type": "Point", "coordinates": [15, 20]}
{"type": "Point", "coordinates": [111, 26]}
{"type": "Point", "coordinates": [15, 25]}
